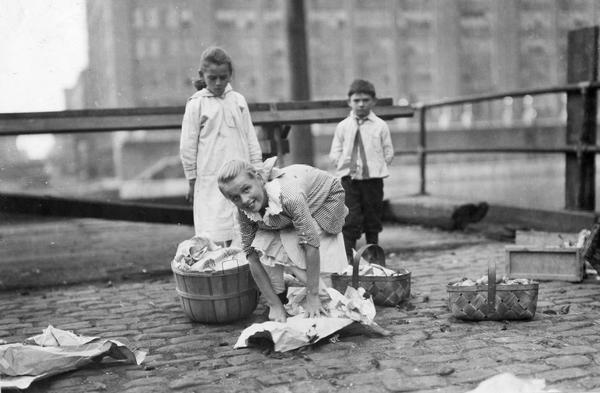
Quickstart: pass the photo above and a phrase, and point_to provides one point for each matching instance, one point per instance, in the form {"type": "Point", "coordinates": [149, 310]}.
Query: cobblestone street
{"type": "Point", "coordinates": [428, 351]}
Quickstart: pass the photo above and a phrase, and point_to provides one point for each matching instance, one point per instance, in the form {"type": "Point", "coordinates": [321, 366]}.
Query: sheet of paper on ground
{"type": "Point", "coordinates": [56, 351]}
{"type": "Point", "coordinates": [299, 331]}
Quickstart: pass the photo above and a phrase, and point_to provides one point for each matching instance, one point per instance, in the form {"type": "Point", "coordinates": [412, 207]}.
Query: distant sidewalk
{"type": "Point", "coordinates": [56, 252]}
{"type": "Point", "coordinates": [479, 215]}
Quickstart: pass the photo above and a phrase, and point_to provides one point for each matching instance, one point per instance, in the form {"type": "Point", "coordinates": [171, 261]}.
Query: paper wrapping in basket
{"type": "Point", "coordinates": [200, 254]}
{"type": "Point", "coordinates": [493, 301]}
{"type": "Point", "coordinates": [389, 290]}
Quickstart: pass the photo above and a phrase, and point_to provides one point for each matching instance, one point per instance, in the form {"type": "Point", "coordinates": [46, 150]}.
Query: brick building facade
{"type": "Point", "coordinates": [146, 52]}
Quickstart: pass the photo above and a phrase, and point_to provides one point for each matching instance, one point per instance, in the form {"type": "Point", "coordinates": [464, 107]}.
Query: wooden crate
{"type": "Point", "coordinates": [542, 256]}
{"type": "Point", "coordinates": [544, 263]}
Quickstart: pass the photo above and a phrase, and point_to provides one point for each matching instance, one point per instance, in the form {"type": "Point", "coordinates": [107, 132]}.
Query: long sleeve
{"type": "Point", "coordinates": [253, 145]}
{"type": "Point", "coordinates": [337, 145]}
{"type": "Point", "coordinates": [188, 144]}
{"type": "Point", "coordinates": [248, 230]}
{"type": "Point", "coordinates": [296, 207]}
{"type": "Point", "coordinates": [386, 142]}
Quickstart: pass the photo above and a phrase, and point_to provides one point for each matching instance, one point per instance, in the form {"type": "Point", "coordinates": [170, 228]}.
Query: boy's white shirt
{"type": "Point", "coordinates": [376, 139]}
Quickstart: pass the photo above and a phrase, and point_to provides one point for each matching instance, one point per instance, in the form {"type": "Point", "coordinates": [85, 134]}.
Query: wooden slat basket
{"type": "Point", "coordinates": [493, 302]}
{"type": "Point", "coordinates": [385, 291]}
{"type": "Point", "coordinates": [216, 297]}
{"type": "Point", "coordinates": [545, 256]}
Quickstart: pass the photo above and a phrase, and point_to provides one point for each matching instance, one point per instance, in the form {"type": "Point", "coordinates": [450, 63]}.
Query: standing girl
{"type": "Point", "coordinates": [290, 219]}
{"type": "Point", "coordinates": [216, 128]}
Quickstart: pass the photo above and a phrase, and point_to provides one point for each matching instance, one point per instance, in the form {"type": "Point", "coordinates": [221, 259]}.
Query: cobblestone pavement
{"type": "Point", "coordinates": [428, 351]}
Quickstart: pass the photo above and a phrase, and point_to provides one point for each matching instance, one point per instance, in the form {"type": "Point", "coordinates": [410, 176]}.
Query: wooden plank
{"type": "Point", "coordinates": [58, 124]}
{"type": "Point", "coordinates": [580, 171]}
{"type": "Point", "coordinates": [290, 105]}
{"type": "Point", "coordinates": [541, 219]}
{"type": "Point", "coordinates": [545, 239]}
{"type": "Point", "coordinates": [70, 207]}
{"type": "Point", "coordinates": [329, 115]}
{"type": "Point", "coordinates": [544, 263]}
{"type": "Point", "coordinates": [432, 211]}
{"type": "Point", "coordinates": [166, 118]}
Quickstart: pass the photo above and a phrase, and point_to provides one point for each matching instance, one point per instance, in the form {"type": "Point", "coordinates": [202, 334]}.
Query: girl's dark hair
{"type": "Point", "coordinates": [214, 55]}
{"type": "Point", "coordinates": [199, 83]}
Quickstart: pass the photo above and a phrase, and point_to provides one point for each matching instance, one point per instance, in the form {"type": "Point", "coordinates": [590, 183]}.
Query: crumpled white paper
{"type": "Point", "coordinates": [299, 331]}
{"type": "Point", "coordinates": [371, 269]}
{"type": "Point", "coordinates": [509, 383]}
{"type": "Point", "coordinates": [296, 332]}
{"type": "Point", "coordinates": [56, 351]}
{"type": "Point", "coordinates": [201, 254]}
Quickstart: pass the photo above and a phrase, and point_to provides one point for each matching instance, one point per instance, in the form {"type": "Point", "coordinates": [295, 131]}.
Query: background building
{"type": "Point", "coordinates": [146, 53]}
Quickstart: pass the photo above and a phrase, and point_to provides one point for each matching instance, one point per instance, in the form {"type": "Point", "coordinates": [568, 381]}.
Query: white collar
{"type": "Point", "coordinates": [273, 191]}
{"type": "Point", "coordinates": [367, 117]}
{"type": "Point", "coordinates": [207, 93]}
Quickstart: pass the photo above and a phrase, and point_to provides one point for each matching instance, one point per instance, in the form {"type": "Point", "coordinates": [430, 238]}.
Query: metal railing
{"type": "Point", "coordinates": [585, 89]}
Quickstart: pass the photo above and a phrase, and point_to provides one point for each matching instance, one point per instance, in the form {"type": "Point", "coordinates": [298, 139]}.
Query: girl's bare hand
{"type": "Point", "coordinates": [277, 314]}
{"type": "Point", "coordinates": [313, 308]}
{"type": "Point", "coordinates": [190, 194]}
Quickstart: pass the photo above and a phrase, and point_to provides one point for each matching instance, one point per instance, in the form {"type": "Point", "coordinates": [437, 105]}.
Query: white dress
{"type": "Point", "coordinates": [215, 130]}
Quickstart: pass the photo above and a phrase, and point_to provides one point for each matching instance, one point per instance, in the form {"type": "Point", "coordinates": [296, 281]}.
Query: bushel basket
{"type": "Point", "coordinates": [493, 302]}
{"type": "Point", "coordinates": [216, 297]}
{"type": "Point", "coordinates": [385, 290]}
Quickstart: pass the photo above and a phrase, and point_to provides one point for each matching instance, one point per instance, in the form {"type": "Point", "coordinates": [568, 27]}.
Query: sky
{"type": "Point", "coordinates": [42, 51]}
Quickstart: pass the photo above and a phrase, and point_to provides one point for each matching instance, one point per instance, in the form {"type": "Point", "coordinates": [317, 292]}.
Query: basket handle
{"type": "Point", "coordinates": [376, 253]}
{"type": "Point", "coordinates": [491, 285]}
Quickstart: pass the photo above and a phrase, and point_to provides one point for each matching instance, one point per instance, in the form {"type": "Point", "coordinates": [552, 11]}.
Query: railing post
{"type": "Point", "coordinates": [582, 67]}
{"type": "Point", "coordinates": [422, 154]}
{"type": "Point", "coordinates": [301, 144]}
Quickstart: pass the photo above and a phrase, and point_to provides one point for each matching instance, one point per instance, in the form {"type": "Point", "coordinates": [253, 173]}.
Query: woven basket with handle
{"type": "Point", "coordinates": [591, 248]}
{"type": "Point", "coordinates": [385, 290]}
{"type": "Point", "coordinates": [492, 301]}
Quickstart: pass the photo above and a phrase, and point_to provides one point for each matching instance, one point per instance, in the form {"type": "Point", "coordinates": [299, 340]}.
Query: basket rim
{"type": "Point", "coordinates": [499, 287]}
{"type": "Point", "coordinates": [347, 277]}
{"type": "Point", "coordinates": [403, 273]}
{"type": "Point", "coordinates": [194, 273]}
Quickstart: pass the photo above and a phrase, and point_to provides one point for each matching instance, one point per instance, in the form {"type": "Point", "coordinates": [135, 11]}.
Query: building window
{"type": "Point", "coordinates": [140, 49]}
{"type": "Point", "coordinates": [171, 18]}
{"type": "Point", "coordinates": [188, 46]}
{"type": "Point", "coordinates": [138, 18]}
{"type": "Point", "coordinates": [155, 47]}
{"type": "Point", "coordinates": [186, 18]}
{"type": "Point", "coordinates": [172, 47]}
{"type": "Point", "coordinates": [153, 17]}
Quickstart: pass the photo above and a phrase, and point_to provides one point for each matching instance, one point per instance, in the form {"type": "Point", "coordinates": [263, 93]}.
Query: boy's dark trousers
{"type": "Point", "coordinates": [364, 199]}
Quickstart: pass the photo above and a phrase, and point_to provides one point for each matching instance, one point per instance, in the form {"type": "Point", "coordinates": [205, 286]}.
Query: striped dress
{"type": "Point", "coordinates": [305, 206]}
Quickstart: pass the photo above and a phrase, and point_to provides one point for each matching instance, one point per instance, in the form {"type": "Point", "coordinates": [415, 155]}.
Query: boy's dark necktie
{"type": "Point", "coordinates": [356, 148]}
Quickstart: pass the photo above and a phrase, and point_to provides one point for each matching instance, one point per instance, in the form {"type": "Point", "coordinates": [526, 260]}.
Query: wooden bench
{"type": "Point", "coordinates": [274, 119]}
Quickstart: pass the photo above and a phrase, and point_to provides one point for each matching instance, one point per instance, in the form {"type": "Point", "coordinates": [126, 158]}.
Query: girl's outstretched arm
{"type": "Point", "coordinates": [313, 307]}
{"type": "Point", "coordinates": [276, 310]}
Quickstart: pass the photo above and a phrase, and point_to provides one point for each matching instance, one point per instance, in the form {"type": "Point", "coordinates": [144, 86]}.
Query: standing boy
{"type": "Point", "coordinates": [361, 151]}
